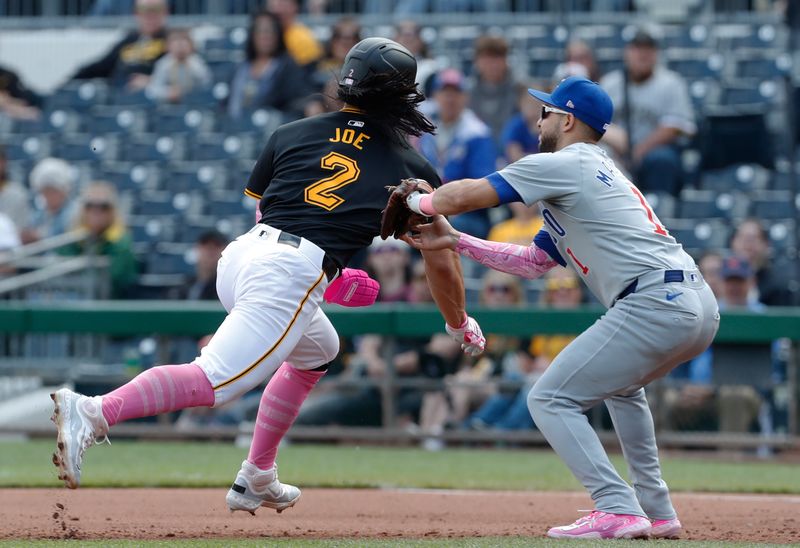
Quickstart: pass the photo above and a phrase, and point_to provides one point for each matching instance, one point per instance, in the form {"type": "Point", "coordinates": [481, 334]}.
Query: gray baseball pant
{"type": "Point", "coordinates": [641, 338]}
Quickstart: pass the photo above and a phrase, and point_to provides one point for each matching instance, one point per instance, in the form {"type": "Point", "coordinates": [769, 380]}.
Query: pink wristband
{"type": "Point", "coordinates": [426, 205]}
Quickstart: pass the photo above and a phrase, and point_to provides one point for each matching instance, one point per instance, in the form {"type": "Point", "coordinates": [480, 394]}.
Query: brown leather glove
{"type": "Point", "coordinates": [397, 219]}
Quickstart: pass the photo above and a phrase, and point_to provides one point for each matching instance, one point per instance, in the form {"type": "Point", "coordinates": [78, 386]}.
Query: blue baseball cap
{"type": "Point", "coordinates": [585, 99]}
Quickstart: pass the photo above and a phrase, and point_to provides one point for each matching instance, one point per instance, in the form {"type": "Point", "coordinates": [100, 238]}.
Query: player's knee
{"type": "Point", "coordinates": [540, 398]}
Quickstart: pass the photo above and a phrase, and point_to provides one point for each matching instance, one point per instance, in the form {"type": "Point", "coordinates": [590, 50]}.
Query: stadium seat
{"type": "Point", "coordinates": [54, 121]}
{"type": "Point", "coordinates": [697, 64]}
{"type": "Point", "coordinates": [225, 205]}
{"type": "Point", "coordinates": [730, 137]}
{"type": "Point", "coordinates": [261, 121]}
{"type": "Point", "coordinates": [222, 71]}
{"type": "Point", "coordinates": [24, 147]}
{"type": "Point", "coordinates": [745, 178]}
{"type": "Point", "coordinates": [774, 204]}
{"type": "Point", "coordinates": [153, 148]}
{"type": "Point", "coordinates": [663, 204]}
{"type": "Point", "coordinates": [86, 147]}
{"type": "Point", "coordinates": [221, 147]}
{"type": "Point", "coordinates": [697, 235]}
{"type": "Point", "coordinates": [167, 120]}
{"type": "Point", "coordinates": [763, 66]}
{"type": "Point", "coordinates": [79, 95]}
{"type": "Point", "coordinates": [200, 177]}
{"type": "Point", "coordinates": [134, 178]}
{"type": "Point", "coordinates": [783, 236]}
{"type": "Point", "coordinates": [699, 204]}
{"type": "Point", "coordinates": [114, 119]}
{"type": "Point", "coordinates": [151, 229]}
{"type": "Point", "coordinates": [173, 261]}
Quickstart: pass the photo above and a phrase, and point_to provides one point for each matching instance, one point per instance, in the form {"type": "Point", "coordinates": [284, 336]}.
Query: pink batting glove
{"type": "Point", "coordinates": [258, 214]}
{"type": "Point", "coordinates": [353, 287]}
{"type": "Point", "coordinates": [469, 335]}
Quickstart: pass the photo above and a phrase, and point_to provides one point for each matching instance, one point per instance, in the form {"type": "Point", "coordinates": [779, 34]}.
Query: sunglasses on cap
{"type": "Point", "coordinates": [105, 206]}
{"type": "Point", "coordinates": [547, 110]}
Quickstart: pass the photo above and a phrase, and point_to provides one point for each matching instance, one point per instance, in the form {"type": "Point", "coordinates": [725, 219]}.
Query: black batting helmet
{"type": "Point", "coordinates": [374, 56]}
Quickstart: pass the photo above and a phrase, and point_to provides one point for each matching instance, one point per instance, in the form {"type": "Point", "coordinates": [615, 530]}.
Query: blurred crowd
{"type": "Point", "coordinates": [484, 120]}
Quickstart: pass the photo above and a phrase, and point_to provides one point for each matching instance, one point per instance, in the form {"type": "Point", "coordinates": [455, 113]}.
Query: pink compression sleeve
{"type": "Point", "coordinates": [526, 261]}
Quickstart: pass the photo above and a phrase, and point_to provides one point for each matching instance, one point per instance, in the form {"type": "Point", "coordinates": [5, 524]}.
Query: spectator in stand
{"type": "Point", "coordinates": [14, 198]}
{"type": "Point", "coordinates": [462, 146]}
{"type": "Point", "coordinates": [473, 383]}
{"type": "Point", "coordinates": [301, 43]}
{"type": "Point", "coordinates": [9, 240]}
{"type": "Point", "coordinates": [388, 262]}
{"type": "Point", "coordinates": [51, 179]}
{"type": "Point", "coordinates": [203, 285]}
{"type": "Point", "coordinates": [579, 60]}
{"type": "Point", "coordinates": [652, 116]}
{"type": "Point", "coordinates": [269, 77]}
{"type": "Point", "coordinates": [509, 411]}
{"type": "Point", "coordinates": [409, 34]}
{"type": "Point", "coordinates": [180, 71]}
{"type": "Point", "coordinates": [107, 236]}
{"type": "Point", "coordinates": [493, 90]}
{"type": "Point", "coordinates": [521, 228]}
{"type": "Point", "coordinates": [130, 62]}
{"type": "Point", "coordinates": [710, 265]}
{"type": "Point", "coordinates": [520, 135]}
{"type": "Point", "coordinates": [345, 34]}
{"type": "Point", "coordinates": [9, 236]}
{"type": "Point", "coordinates": [751, 242]}
{"type": "Point", "coordinates": [696, 404]}
{"type": "Point", "coordinates": [16, 100]}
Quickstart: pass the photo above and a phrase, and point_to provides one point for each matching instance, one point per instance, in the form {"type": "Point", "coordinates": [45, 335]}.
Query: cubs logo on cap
{"type": "Point", "coordinates": [585, 99]}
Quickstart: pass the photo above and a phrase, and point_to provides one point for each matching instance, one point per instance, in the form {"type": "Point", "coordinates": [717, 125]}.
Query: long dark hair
{"type": "Point", "coordinates": [391, 102]}
{"type": "Point", "coordinates": [280, 44]}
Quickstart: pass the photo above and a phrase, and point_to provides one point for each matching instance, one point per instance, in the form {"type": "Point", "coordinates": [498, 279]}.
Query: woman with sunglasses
{"type": "Point", "coordinates": [661, 312]}
{"type": "Point", "coordinates": [107, 236]}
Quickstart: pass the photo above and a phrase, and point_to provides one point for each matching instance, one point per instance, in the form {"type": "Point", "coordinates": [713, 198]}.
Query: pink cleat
{"type": "Point", "coordinates": [666, 528]}
{"type": "Point", "coordinates": [602, 525]}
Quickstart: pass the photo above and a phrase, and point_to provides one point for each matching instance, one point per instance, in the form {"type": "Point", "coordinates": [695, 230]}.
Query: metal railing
{"type": "Point", "coordinates": [168, 319]}
{"type": "Point", "coordinates": [40, 275]}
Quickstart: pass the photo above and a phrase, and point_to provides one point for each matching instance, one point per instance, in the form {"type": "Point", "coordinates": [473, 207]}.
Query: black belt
{"type": "Point", "coordinates": [329, 266]}
{"type": "Point", "coordinates": [670, 276]}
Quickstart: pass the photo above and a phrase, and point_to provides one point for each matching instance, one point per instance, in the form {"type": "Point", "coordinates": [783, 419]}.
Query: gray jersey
{"type": "Point", "coordinates": [599, 221]}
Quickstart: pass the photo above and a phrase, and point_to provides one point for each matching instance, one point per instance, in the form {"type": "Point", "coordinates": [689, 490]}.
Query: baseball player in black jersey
{"type": "Point", "coordinates": [320, 183]}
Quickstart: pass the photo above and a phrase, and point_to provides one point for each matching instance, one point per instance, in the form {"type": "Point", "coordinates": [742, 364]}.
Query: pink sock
{"type": "Point", "coordinates": [159, 390]}
{"type": "Point", "coordinates": [280, 404]}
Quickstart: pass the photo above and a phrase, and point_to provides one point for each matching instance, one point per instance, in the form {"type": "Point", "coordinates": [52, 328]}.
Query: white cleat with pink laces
{"type": "Point", "coordinates": [602, 525]}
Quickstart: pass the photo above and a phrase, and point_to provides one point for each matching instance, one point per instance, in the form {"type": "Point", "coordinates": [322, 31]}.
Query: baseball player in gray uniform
{"type": "Point", "coordinates": [660, 310]}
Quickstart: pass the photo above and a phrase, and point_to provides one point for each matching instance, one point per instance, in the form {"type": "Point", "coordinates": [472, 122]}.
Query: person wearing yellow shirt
{"type": "Point", "coordinates": [524, 224]}
{"type": "Point", "coordinates": [300, 41]}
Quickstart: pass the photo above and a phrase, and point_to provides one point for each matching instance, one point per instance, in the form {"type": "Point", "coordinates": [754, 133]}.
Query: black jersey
{"type": "Point", "coordinates": [324, 179]}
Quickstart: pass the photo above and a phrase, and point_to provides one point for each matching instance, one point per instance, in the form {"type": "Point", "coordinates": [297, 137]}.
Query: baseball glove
{"type": "Point", "coordinates": [397, 219]}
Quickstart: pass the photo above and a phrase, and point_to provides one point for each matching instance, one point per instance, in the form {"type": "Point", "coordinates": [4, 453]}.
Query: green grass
{"type": "Point", "coordinates": [142, 464]}
{"type": "Point", "coordinates": [486, 542]}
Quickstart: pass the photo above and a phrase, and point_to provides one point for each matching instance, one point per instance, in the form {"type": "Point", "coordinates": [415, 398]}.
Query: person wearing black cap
{"type": "Point", "coordinates": [661, 311]}
{"type": "Point", "coordinates": [320, 184]}
{"type": "Point", "coordinates": [653, 113]}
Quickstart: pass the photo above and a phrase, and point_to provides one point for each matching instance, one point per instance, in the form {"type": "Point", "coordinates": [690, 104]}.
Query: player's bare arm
{"type": "Point", "coordinates": [528, 262]}
{"type": "Point", "coordinates": [455, 197]}
{"type": "Point", "coordinates": [443, 269]}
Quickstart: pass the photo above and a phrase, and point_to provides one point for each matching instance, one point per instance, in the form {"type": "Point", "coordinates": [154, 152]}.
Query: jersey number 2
{"type": "Point", "coordinates": [321, 193]}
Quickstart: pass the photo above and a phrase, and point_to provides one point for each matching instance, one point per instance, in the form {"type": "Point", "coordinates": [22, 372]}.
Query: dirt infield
{"type": "Point", "coordinates": [333, 513]}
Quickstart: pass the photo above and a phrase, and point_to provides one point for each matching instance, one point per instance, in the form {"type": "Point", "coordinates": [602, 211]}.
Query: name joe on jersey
{"type": "Point", "coordinates": [349, 137]}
